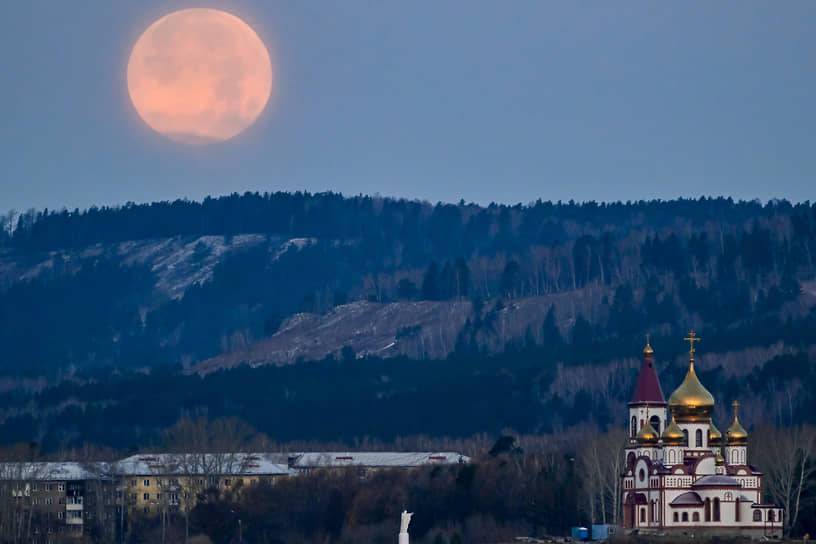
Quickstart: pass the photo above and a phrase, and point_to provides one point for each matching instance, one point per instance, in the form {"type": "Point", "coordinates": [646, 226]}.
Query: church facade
{"type": "Point", "coordinates": [681, 475]}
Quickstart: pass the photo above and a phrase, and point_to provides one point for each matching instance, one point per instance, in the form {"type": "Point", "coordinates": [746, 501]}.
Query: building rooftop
{"type": "Point", "coordinates": [236, 464]}
{"type": "Point", "coordinates": [716, 480]}
{"type": "Point", "coordinates": [687, 499]}
{"type": "Point", "coordinates": [49, 471]}
{"type": "Point", "coordinates": [647, 388]}
{"type": "Point", "coordinates": [375, 459]}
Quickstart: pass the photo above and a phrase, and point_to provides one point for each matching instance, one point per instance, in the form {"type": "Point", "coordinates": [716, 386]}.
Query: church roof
{"type": "Point", "coordinates": [687, 499]}
{"type": "Point", "coordinates": [647, 388]}
{"type": "Point", "coordinates": [716, 480]}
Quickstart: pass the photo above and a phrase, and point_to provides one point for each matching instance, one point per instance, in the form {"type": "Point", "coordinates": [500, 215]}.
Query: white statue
{"type": "Point", "coordinates": [405, 519]}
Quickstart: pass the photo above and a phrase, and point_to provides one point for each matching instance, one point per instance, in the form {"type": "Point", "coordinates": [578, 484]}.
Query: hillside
{"type": "Point", "coordinates": [498, 300]}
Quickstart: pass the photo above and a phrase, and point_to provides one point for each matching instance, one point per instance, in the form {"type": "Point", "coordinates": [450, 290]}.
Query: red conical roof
{"type": "Point", "coordinates": [647, 388]}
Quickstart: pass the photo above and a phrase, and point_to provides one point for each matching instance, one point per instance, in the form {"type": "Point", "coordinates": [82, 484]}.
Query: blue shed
{"type": "Point", "coordinates": [580, 533]}
{"type": "Point", "coordinates": [602, 531]}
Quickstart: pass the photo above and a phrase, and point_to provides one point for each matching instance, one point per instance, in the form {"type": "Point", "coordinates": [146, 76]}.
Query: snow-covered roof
{"type": "Point", "coordinates": [375, 459]}
{"type": "Point", "coordinates": [50, 471]}
{"type": "Point", "coordinates": [237, 464]}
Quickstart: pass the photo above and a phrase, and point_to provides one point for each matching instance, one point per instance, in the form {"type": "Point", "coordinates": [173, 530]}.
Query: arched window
{"type": "Point", "coordinates": [641, 475]}
{"type": "Point", "coordinates": [685, 433]}
{"type": "Point", "coordinates": [771, 516]}
{"type": "Point", "coordinates": [695, 516]}
{"type": "Point", "coordinates": [716, 509]}
{"type": "Point", "coordinates": [643, 515]}
{"type": "Point", "coordinates": [655, 421]}
{"type": "Point", "coordinates": [676, 517]}
{"type": "Point", "coordinates": [727, 496]}
{"type": "Point", "coordinates": [634, 427]}
{"type": "Point", "coordinates": [672, 458]}
{"type": "Point", "coordinates": [698, 439]}
{"type": "Point", "coordinates": [685, 516]}
{"type": "Point", "coordinates": [737, 510]}
{"type": "Point", "coordinates": [757, 515]}
{"type": "Point", "coordinates": [708, 509]}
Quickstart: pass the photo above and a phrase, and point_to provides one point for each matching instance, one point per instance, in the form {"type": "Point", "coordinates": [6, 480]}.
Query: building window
{"type": "Point", "coordinates": [158, 496]}
{"type": "Point", "coordinates": [685, 440]}
{"type": "Point", "coordinates": [49, 500]}
{"type": "Point", "coordinates": [641, 475]}
{"type": "Point", "coordinates": [676, 517]}
{"type": "Point", "coordinates": [771, 516]}
{"type": "Point", "coordinates": [147, 496]}
{"type": "Point", "coordinates": [716, 509]}
{"type": "Point", "coordinates": [60, 515]}
{"type": "Point", "coordinates": [757, 515]}
{"type": "Point", "coordinates": [698, 438]}
{"type": "Point", "coordinates": [61, 487]}
{"type": "Point", "coordinates": [227, 482]}
{"type": "Point", "coordinates": [133, 483]}
{"type": "Point", "coordinates": [633, 431]}
{"type": "Point", "coordinates": [708, 509]}
{"type": "Point", "coordinates": [695, 516]}
{"type": "Point", "coordinates": [147, 483]}
{"type": "Point", "coordinates": [643, 515]}
{"type": "Point", "coordinates": [737, 510]}
{"type": "Point", "coordinates": [685, 516]}
{"type": "Point", "coordinates": [655, 421]}
{"type": "Point", "coordinates": [146, 509]}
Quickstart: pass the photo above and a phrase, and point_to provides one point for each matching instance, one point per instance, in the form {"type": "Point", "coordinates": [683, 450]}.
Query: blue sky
{"type": "Point", "coordinates": [437, 100]}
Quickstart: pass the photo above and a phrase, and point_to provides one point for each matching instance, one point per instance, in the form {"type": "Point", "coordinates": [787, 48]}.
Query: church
{"type": "Point", "coordinates": [681, 475]}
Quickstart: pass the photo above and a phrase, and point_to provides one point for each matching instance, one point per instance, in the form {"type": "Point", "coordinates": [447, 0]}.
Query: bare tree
{"type": "Point", "coordinates": [203, 452]}
{"type": "Point", "coordinates": [600, 461]}
{"type": "Point", "coordinates": [788, 457]}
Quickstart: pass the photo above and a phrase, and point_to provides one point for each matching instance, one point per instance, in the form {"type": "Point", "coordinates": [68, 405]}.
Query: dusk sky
{"type": "Point", "coordinates": [478, 100]}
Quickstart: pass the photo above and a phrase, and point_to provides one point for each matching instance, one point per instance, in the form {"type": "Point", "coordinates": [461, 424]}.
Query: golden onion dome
{"type": "Point", "coordinates": [719, 461]}
{"type": "Point", "coordinates": [714, 435]}
{"type": "Point", "coordinates": [647, 434]}
{"type": "Point", "coordinates": [736, 435]}
{"type": "Point", "coordinates": [691, 401]}
{"type": "Point", "coordinates": [673, 434]}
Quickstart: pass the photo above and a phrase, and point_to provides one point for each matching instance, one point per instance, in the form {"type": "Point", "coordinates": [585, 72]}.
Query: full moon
{"type": "Point", "coordinates": [199, 76]}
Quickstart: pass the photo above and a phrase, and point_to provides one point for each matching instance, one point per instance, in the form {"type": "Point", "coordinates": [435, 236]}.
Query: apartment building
{"type": "Point", "coordinates": [53, 502]}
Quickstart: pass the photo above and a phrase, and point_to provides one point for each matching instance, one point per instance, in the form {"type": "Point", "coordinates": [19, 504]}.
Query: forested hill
{"type": "Point", "coordinates": [283, 278]}
{"type": "Point", "coordinates": [179, 282]}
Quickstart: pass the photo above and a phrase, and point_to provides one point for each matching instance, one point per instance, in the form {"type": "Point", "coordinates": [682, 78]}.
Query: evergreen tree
{"type": "Point", "coordinates": [430, 283]}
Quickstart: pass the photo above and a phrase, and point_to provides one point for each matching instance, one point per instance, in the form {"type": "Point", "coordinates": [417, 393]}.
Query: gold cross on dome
{"type": "Point", "coordinates": [691, 338]}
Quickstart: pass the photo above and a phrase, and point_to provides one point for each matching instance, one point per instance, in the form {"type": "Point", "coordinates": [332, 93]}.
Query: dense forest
{"type": "Point", "coordinates": [662, 266]}
{"type": "Point", "coordinates": [93, 348]}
